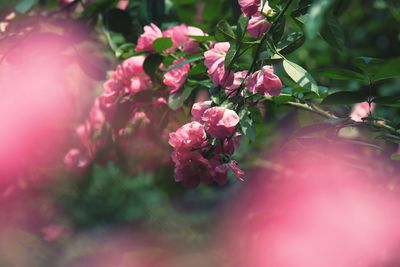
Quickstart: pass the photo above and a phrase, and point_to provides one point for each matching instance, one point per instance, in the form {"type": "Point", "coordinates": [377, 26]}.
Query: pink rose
{"type": "Point", "coordinates": [264, 82]}
{"type": "Point", "coordinates": [187, 137]}
{"type": "Point", "coordinates": [220, 122]}
{"type": "Point", "coordinates": [361, 110]}
{"type": "Point", "coordinates": [199, 108]}
{"type": "Point", "coordinates": [249, 7]}
{"type": "Point", "coordinates": [214, 61]}
{"type": "Point", "coordinates": [145, 41]}
{"type": "Point", "coordinates": [191, 46]}
{"type": "Point", "coordinates": [180, 36]}
{"type": "Point", "coordinates": [237, 81]}
{"type": "Point", "coordinates": [220, 173]}
{"type": "Point", "coordinates": [175, 78]}
{"type": "Point", "coordinates": [191, 168]}
{"type": "Point", "coordinates": [258, 25]}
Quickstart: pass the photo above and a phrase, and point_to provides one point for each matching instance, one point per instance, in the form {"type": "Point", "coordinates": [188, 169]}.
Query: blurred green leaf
{"type": "Point", "coordinates": [315, 18]}
{"type": "Point", "coordinates": [175, 101]}
{"type": "Point", "coordinates": [343, 97]}
{"type": "Point", "coordinates": [25, 5]}
{"type": "Point", "coordinates": [343, 74]}
{"type": "Point", "coordinates": [151, 65]}
{"type": "Point", "coordinates": [332, 33]}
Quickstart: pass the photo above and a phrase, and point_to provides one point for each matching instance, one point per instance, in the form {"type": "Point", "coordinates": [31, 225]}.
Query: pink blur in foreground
{"type": "Point", "coordinates": [318, 210]}
{"type": "Point", "coordinates": [46, 81]}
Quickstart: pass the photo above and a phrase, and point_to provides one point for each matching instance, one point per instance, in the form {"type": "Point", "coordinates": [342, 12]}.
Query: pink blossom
{"type": "Point", "coordinates": [52, 232]}
{"type": "Point", "coordinates": [249, 7]}
{"type": "Point", "coordinates": [237, 81]}
{"type": "Point", "coordinates": [187, 137]}
{"type": "Point", "coordinates": [199, 108]}
{"type": "Point", "coordinates": [220, 122]}
{"type": "Point", "coordinates": [214, 61]}
{"type": "Point", "coordinates": [361, 110]}
{"type": "Point", "coordinates": [191, 168]}
{"type": "Point", "coordinates": [258, 25]}
{"type": "Point", "coordinates": [175, 78]}
{"type": "Point", "coordinates": [264, 82]}
{"type": "Point", "coordinates": [75, 160]}
{"type": "Point", "coordinates": [180, 36]}
{"type": "Point", "coordinates": [236, 170]}
{"type": "Point", "coordinates": [123, 4]}
{"type": "Point", "coordinates": [220, 173]}
{"type": "Point", "coordinates": [128, 78]}
{"type": "Point", "coordinates": [145, 41]}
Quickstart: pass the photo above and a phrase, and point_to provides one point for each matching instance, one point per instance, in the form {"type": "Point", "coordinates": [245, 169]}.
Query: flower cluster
{"type": "Point", "coordinates": [264, 82]}
{"type": "Point", "coordinates": [133, 99]}
{"type": "Point", "coordinates": [202, 148]}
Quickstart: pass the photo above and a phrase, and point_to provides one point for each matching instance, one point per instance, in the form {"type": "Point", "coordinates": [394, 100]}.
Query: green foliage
{"type": "Point", "coordinates": [108, 195]}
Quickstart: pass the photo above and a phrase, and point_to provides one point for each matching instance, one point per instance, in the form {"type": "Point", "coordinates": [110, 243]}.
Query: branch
{"type": "Point", "coordinates": [326, 114]}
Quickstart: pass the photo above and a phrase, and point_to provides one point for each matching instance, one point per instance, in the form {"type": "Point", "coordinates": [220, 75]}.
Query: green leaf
{"type": "Point", "coordinates": [247, 124]}
{"type": "Point", "coordinates": [201, 38]}
{"type": "Point", "coordinates": [224, 31]}
{"type": "Point", "coordinates": [386, 100]}
{"type": "Point", "coordinates": [198, 69]}
{"type": "Point", "coordinates": [343, 74]}
{"type": "Point", "coordinates": [277, 30]}
{"type": "Point", "coordinates": [162, 44]}
{"type": "Point", "coordinates": [231, 55]}
{"type": "Point", "coordinates": [332, 33]}
{"type": "Point", "coordinates": [300, 76]}
{"type": "Point", "coordinates": [343, 97]}
{"type": "Point", "coordinates": [291, 42]}
{"type": "Point", "coordinates": [25, 5]}
{"type": "Point", "coordinates": [190, 60]}
{"type": "Point", "coordinates": [125, 51]}
{"type": "Point", "coordinates": [152, 64]}
{"type": "Point", "coordinates": [117, 20]}
{"type": "Point", "coordinates": [282, 99]}
{"type": "Point", "coordinates": [315, 18]}
{"type": "Point", "coordinates": [175, 101]}
{"type": "Point", "coordinates": [395, 156]}
{"type": "Point", "coordinates": [378, 69]}
{"type": "Point", "coordinates": [241, 27]}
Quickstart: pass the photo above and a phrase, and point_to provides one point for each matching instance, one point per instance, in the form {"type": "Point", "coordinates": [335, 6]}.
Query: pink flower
{"type": "Point", "coordinates": [175, 78]}
{"type": "Point", "coordinates": [249, 7]}
{"type": "Point", "coordinates": [264, 82]}
{"type": "Point", "coordinates": [145, 41]}
{"type": "Point", "coordinates": [191, 168]}
{"type": "Point", "coordinates": [188, 137]}
{"type": "Point", "coordinates": [220, 173]}
{"type": "Point", "coordinates": [123, 4]}
{"type": "Point", "coordinates": [258, 25]}
{"type": "Point", "coordinates": [236, 170]}
{"type": "Point", "coordinates": [220, 122]}
{"type": "Point", "coordinates": [361, 110]}
{"type": "Point", "coordinates": [237, 81]}
{"type": "Point", "coordinates": [128, 78]}
{"type": "Point", "coordinates": [180, 36]}
{"type": "Point", "coordinates": [52, 232]}
{"type": "Point", "coordinates": [199, 108]}
{"type": "Point", "coordinates": [214, 61]}
{"type": "Point", "coordinates": [75, 160]}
